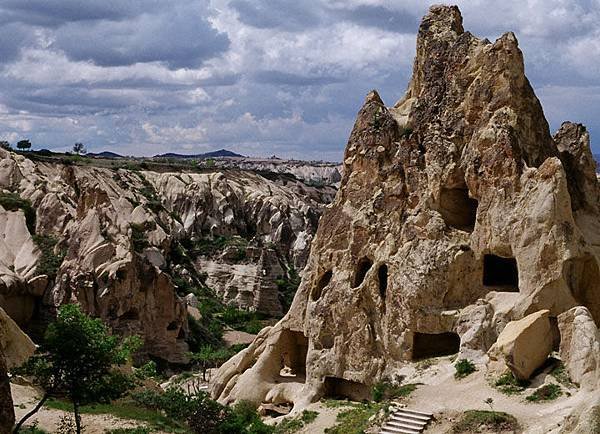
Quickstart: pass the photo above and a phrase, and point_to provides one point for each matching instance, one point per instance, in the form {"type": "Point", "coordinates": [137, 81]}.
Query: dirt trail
{"type": "Point", "coordinates": [26, 397]}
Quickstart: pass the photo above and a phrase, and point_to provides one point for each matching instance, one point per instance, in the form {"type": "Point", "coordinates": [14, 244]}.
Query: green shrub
{"type": "Point", "coordinates": [385, 391]}
{"type": "Point", "coordinates": [355, 420]}
{"type": "Point", "coordinates": [14, 202]}
{"type": "Point", "coordinates": [49, 262]}
{"type": "Point", "coordinates": [509, 385]}
{"type": "Point", "coordinates": [138, 430]}
{"type": "Point", "coordinates": [290, 426]}
{"type": "Point", "coordinates": [147, 370]}
{"type": "Point", "coordinates": [287, 287]}
{"type": "Point", "coordinates": [561, 375]}
{"type": "Point", "coordinates": [139, 240]}
{"type": "Point", "coordinates": [477, 420]}
{"type": "Point", "coordinates": [548, 392]}
{"type": "Point", "coordinates": [464, 367]}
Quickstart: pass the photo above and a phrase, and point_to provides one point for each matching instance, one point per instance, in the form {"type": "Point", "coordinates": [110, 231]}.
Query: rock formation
{"type": "Point", "coordinates": [127, 244]}
{"type": "Point", "coordinates": [458, 212]}
{"type": "Point", "coordinates": [15, 349]}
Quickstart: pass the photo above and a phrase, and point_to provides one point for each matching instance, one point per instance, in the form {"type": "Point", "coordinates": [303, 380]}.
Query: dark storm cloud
{"type": "Point", "coordinates": [52, 13]}
{"type": "Point", "coordinates": [381, 17]}
{"type": "Point", "coordinates": [291, 15]}
{"type": "Point", "coordinates": [291, 79]}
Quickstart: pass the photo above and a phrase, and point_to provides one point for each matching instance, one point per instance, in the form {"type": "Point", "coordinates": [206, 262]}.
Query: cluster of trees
{"type": "Point", "coordinates": [24, 145]}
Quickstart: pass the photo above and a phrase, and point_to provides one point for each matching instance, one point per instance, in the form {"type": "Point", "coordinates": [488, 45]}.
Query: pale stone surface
{"type": "Point", "coordinates": [470, 200]}
{"type": "Point", "coordinates": [524, 345]}
{"type": "Point", "coordinates": [580, 346]}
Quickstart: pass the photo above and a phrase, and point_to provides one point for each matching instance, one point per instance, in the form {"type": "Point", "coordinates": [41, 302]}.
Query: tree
{"type": "Point", "coordinates": [23, 144]}
{"type": "Point", "coordinates": [79, 148]}
{"type": "Point", "coordinates": [208, 357]}
{"type": "Point", "coordinates": [5, 145]}
{"type": "Point", "coordinates": [76, 360]}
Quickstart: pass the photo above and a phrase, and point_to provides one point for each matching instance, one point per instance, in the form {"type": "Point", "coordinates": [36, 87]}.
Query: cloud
{"type": "Point", "coordinates": [260, 77]}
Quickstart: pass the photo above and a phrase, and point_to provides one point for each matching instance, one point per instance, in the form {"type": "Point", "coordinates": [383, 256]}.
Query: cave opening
{"type": "Point", "coordinates": [362, 268]}
{"type": "Point", "coordinates": [321, 284]}
{"type": "Point", "coordinates": [501, 273]}
{"type": "Point", "coordinates": [294, 349]}
{"type": "Point", "coordinates": [426, 345]}
{"type": "Point", "coordinates": [382, 277]}
{"type": "Point", "coordinates": [340, 388]}
{"type": "Point", "coordinates": [458, 210]}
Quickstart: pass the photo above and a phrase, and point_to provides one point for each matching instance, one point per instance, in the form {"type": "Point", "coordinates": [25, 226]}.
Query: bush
{"type": "Point", "coordinates": [476, 420]}
{"type": "Point", "coordinates": [14, 202]}
{"type": "Point", "coordinates": [464, 368]}
{"type": "Point", "coordinates": [547, 392]}
{"type": "Point", "coordinates": [139, 240]}
{"type": "Point", "coordinates": [385, 391]}
{"type": "Point", "coordinates": [509, 385]}
{"type": "Point", "coordinates": [49, 261]}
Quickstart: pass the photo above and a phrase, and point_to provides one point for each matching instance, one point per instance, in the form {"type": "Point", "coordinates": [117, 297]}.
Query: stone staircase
{"type": "Point", "coordinates": [404, 421]}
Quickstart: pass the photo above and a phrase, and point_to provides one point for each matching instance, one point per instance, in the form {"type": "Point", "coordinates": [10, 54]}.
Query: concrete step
{"type": "Point", "coordinates": [407, 421]}
{"type": "Point", "coordinates": [417, 413]}
{"type": "Point", "coordinates": [411, 416]}
{"type": "Point", "coordinates": [386, 430]}
{"type": "Point", "coordinates": [404, 425]}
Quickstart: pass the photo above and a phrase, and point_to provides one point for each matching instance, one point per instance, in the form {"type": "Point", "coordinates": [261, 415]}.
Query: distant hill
{"type": "Point", "coordinates": [213, 154]}
{"type": "Point", "coordinates": [103, 154]}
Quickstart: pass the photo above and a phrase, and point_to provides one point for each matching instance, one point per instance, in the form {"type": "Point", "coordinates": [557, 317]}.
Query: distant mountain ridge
{"type": "Point", "coordinates": [213, 154]}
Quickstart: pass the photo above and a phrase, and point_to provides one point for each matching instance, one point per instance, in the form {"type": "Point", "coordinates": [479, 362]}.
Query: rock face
{"type": "Point", "coordinates": [127, 244]}
{"type": "Point", "coordinates": [457, 193]}
{"type": "Point", "coordinates": [580, 346]}
{"type": "Point", "coordinates": [15, 349]}
{"type": "Point", "coordinates": [524, 345]}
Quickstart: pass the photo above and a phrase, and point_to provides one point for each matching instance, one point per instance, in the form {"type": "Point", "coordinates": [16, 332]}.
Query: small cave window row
{"type": "Point", "coordinates": [501, 273]}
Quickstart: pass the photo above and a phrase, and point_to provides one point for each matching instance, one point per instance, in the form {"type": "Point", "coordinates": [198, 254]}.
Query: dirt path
{"type": "Point", "coordinates": [26, 397]}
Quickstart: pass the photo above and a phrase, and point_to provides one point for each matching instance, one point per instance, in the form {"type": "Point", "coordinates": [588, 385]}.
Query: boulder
{"type": "Point", "coordinates": [15, 345]}
{"type": "Point", "coordinates": [524, 345]}
{"type": "Point", "coordinates": [580, 346]}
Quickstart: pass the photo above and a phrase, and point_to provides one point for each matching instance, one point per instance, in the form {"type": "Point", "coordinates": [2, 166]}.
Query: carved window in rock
{"type": "Point", "coordinates": [321, 284]}
{"type": "Point", "coordinates": [362, 268]}
{"type": "Point", "coordinates": [426, 345]}
{"type": "Point", "coordinates": [382, 279]}
{"type": "Point", "coordinates": [458, 210]}
{"type": "Point", "coordinates": [501, 274]}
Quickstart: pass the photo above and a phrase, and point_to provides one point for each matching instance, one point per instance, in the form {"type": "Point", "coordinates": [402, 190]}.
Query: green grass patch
{"type": "Point", "coordinates": [477, 420]}
{"type": "Point", "coordinates": [138, 430]}
{"type": "Point", "coordinates": [293, 425]}
{"type": "Point", "coordinates": [509, 385]}
{"type": "Point", "coordinates": [49, 261]}
{"type": "Point", "coordinates": [547, 392]}
{"type": "Point", "coordinates": [14, 202]}
{"type": "Point", "coordinates": [355, 420]}
{"type": "Point", "coordinates": [559, 372]}
{"type": "Point", "coordinates": [338, 403]}
{"type": "Point", "coordinates": [124, 409]}
{"type": "Point", "coordinates": [32, 429]}
{"type": "Point", "coordinates": [464, 368]}
{"type": "Point", "coordinates": [385, 391]}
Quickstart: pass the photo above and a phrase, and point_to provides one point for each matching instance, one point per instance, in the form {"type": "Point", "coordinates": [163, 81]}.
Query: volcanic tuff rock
{"type": "Point", "coordinates": [116, 240]}
{"type": "Point", "coordinates": [15, 349]}
{"type": "Point", "coordinates": [458, 212]}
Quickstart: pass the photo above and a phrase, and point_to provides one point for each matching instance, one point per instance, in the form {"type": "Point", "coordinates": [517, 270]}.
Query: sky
{"type": "Point", "coordinates": [259, 77]}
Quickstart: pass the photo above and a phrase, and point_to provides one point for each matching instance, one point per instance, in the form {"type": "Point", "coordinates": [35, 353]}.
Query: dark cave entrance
{"type": "Point", "coordinates": [501, 273]}
{"type": "Point", "coordinates": [321, 284]}
{"type": "Point", "coordinates": [458, 210]}
{"type": "Point", "coordinates": [427, 345]}
{"type": "Point", "coordinates": [363, 267]}
{"type": "Point", "coordinates": [294, 349]}
{"type": "Point", "coordinates": [341, 388]}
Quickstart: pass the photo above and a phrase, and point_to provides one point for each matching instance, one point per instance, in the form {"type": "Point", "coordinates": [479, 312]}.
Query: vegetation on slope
{"type": "Point", "coordinates": [473, 421]}
{"type": "Point", "coordinates": [13, 202]}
